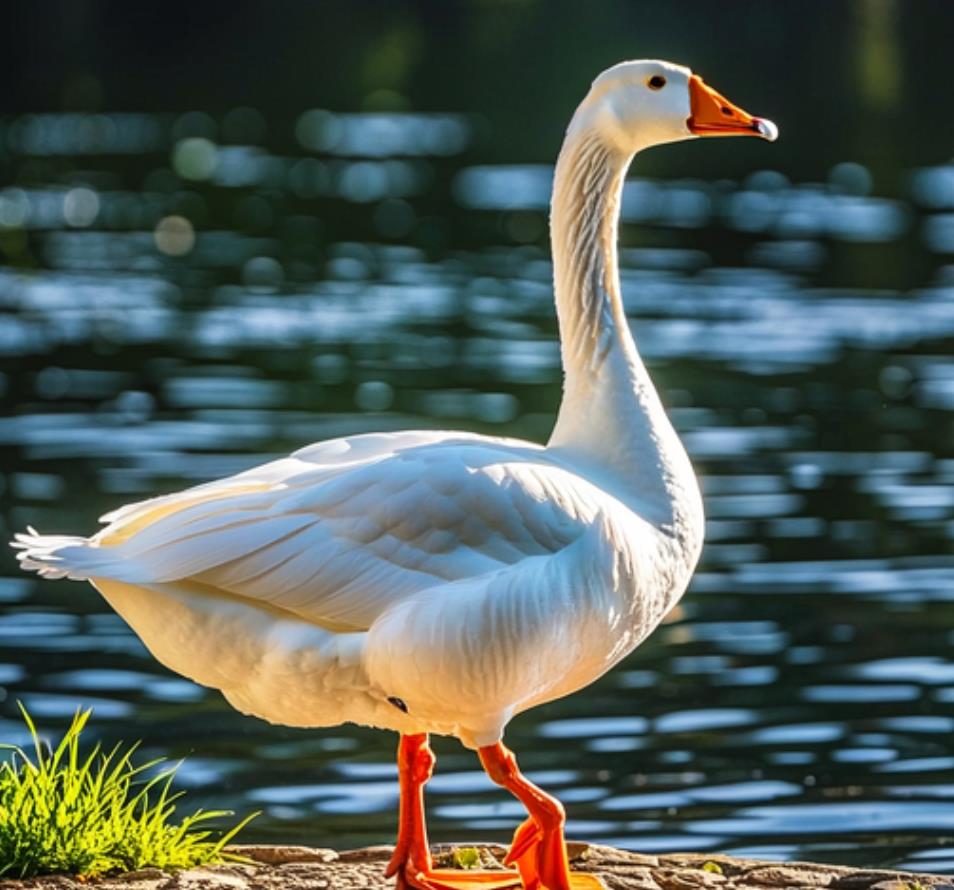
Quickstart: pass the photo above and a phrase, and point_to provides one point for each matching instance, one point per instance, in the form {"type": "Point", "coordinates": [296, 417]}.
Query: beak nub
{"type": "Point", "coordinates": [714, 115]}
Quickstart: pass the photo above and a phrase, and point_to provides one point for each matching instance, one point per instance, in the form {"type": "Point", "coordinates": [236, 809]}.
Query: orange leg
{"type": "Point", "coordinates": [411, 862]}
{"type": "Point", "coordinates": [538, 849]}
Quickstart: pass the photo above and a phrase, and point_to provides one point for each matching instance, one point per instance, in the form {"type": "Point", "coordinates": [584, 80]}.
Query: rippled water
{"type": "Point", "coordinates": [180, 303]}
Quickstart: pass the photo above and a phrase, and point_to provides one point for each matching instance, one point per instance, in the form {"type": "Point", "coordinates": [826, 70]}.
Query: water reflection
{"type": "Point", "coordinates": [219, 302]}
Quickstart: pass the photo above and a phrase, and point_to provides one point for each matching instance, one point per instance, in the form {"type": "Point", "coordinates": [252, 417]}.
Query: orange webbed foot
{"type": "Point", "coordinates": [525, 839]}
{"type": "Point", "coordinates": [540, 869]}
{"type": "Point", "coordinates": [411, 862]}
{"type": "Point", "coordinates": [538, 849]}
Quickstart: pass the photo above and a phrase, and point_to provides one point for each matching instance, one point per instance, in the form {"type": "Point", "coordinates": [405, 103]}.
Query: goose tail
{"type": "Point", "coordinates": [56, 556]}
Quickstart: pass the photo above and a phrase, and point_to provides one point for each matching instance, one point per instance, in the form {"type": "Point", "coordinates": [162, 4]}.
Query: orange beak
{"type": "Point", "coordinates": [714, 115]}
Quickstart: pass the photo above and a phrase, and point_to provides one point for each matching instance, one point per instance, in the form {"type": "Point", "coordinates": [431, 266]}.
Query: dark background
{"type": "Point", "coordinates": [865, 79]}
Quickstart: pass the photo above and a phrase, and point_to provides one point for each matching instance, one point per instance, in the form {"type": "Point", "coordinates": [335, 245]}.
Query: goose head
{"type": "Point", "coordinates": [637, 104]}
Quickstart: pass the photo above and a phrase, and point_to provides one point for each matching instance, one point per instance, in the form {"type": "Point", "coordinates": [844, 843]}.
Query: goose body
{"type": "Point", "coordinates": [443, 582]}
{"type": "Point", "coordinates": [466, 577]}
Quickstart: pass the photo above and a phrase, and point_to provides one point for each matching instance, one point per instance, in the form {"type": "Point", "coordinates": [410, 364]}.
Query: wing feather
{"type": "Point", "coordinates": [339, 532]}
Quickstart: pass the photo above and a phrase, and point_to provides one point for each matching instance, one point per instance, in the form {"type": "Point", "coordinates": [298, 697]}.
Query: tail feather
{"type": "Point", "coordinates": [55, 556]}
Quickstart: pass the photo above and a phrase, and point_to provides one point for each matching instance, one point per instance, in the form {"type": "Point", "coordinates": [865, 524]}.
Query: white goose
{"type": "Point", "coordinates": [442, 581]}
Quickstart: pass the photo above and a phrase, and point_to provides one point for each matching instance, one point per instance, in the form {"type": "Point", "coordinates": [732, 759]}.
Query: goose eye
{"type": "Point", "coordinates": [656, 82]}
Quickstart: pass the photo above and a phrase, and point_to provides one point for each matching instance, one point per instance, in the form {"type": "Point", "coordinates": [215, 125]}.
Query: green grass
{"type": "Point", "coordinates": [98, 813]}
{"type": "Point", "coordinates": [467, 857]}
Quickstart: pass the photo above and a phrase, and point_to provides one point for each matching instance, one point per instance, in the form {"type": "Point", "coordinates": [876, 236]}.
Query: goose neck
{"type": "Point", "coordinates": [584, 216]}
{"type": "Point", "coordinates": [611, 419]}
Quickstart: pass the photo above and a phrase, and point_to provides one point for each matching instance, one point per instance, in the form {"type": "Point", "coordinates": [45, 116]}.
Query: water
{"type": "Point", "coordinates": [181, 301]}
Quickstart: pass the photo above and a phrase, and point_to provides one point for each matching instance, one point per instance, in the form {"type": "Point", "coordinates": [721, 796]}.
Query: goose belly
{"type": "Point", "coordinates": [267, 664]}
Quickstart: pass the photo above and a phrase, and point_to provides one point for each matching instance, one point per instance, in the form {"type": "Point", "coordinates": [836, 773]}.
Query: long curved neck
{"type": "Point", "coordinates": [611, 418]}
{"type": "Point", "coordinates": [583, 220]}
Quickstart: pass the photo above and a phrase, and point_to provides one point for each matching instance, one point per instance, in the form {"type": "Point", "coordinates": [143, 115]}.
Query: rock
{"type": "Point", "coordinates": [687, 879]}
{"type": "Point", "coordinates": [145, 874]}
{"type": "Point", "coordinates": [273, 854]}
{"type": "Point", "coordinates": [802, 875]}
{"type": "Point", "coordinates": [312, 868]}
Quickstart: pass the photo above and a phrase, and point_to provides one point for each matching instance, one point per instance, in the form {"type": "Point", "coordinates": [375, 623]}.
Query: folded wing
{"type": "Point", "coordinates": [339, 532]}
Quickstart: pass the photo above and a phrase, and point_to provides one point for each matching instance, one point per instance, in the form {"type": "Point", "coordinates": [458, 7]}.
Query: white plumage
{"type": "Point", "coordinates": [437, 581]}
{"type": "Point", "coordinates": [468, 577]}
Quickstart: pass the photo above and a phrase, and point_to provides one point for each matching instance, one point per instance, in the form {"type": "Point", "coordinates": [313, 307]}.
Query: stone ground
{"type": "Point", "coordinates": [308, 868]}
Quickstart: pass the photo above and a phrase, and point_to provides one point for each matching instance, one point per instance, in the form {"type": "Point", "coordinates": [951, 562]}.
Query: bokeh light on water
{"type": "Point", "coordinates": [185, 294]}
